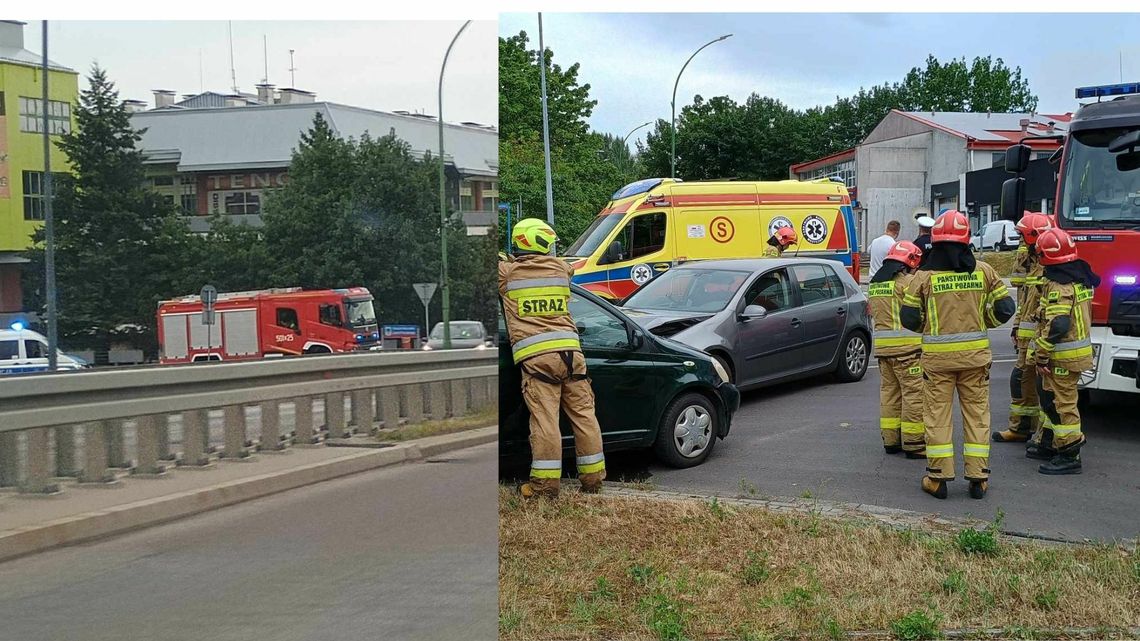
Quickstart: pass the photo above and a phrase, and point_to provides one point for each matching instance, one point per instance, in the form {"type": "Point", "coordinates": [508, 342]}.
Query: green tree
{"type": "Point", "coordinates": [520, 95]}
{"type": "Point", "coordinates": [118, 248]}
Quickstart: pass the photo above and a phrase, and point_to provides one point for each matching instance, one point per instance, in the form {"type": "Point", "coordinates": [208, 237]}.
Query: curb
{"type": "Point", "coordinates": [131, 516]}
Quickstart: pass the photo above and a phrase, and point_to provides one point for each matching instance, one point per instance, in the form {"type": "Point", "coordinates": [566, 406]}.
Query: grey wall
{"type": "Point", "coordinates": [892, 180]}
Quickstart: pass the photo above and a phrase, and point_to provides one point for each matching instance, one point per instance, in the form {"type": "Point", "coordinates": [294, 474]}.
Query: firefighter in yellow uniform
{"type": "Point", "coordinates": [535, 290]}
{"type": "Point", "coordinates": [953, 300]}
{"type": "Point", "coordinates": [1062, 350]}
{"type": "Point", "coordinates": [780, 241]}
{"type": "Point", "coordinates": [1023, 405]}
{"type": "Point", "coordinates": [898, 350]}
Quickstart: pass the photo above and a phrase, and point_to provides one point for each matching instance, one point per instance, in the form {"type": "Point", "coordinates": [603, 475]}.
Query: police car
{"type": "Point", "coordinates": [23, 351]}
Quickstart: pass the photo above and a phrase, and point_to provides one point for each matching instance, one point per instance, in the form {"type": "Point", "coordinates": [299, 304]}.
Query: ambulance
{"type": "Point", "coordinates": [651, 225]}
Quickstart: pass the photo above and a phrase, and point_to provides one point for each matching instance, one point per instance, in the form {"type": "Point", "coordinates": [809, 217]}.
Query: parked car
{"type": "Point", "coordinates": [465, 334]}
{"type": "Point", "coordinates": [650, 392]}
{"type": "Point", "coordinates": [999, 235]}
{"type": "Point", "coordinates": [766, 320]}
{"type": "Point", "coordinates": [23, 351]}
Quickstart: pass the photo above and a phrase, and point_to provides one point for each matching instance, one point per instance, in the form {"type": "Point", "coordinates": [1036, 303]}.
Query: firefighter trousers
{"type": "Point", "coordinates": [973, 389]}
{"type": "Point", "coordinates": [900, 402]}
{"type": "Point", "coordinates": [552, 382]}
{"type": "Point", "coordinates": [1060, 418]}
{"type": "Point", "coordinates": [1024, 409]}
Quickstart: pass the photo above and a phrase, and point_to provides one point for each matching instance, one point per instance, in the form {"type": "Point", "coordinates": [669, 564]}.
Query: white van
{"type": "Point", "coordinates": [999, 235]}
{"type": "Point", "coordinates": [23, 351]}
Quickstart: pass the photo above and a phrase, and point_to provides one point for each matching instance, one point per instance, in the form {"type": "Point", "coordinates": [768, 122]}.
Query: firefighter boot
{"type": "Point", "coordinates": [592, 483]}
{"type": "Point", "coordinates": [978, 489]}
{"type": "Point", "coordinates": [893, 449]}
{"type": "Point", "coordinates": [535, 488]}
{"type": "Point", "coordinates": [1066, 461]}
{"type": "Point", "coordinates": [934, 487]}
{"type": "Point", "coordinates": [1042, 451]}
{"type": "Point", "coordinates": [1010, 436]}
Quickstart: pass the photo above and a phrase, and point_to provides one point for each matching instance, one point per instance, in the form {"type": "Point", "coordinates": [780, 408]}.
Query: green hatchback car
{"type": "Point", "coordinates": [650, 392]}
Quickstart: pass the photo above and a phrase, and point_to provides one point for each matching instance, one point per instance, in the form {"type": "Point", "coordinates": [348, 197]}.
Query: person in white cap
{"type": "Point", "coordinates": [925, 224]}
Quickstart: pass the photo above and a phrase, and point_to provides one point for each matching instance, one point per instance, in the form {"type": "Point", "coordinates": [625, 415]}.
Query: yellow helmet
{"type": "Point", "coordinates": [533, 235]}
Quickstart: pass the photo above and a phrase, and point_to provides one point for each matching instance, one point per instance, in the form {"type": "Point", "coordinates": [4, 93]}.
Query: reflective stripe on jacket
{"type": "Point", "coordinates": [1074, 350]}
{"type": "Point", "coordinates": [1028, 294]}
{"type": "Point", "coordinates": [535, 291]}
{"type": "Point", "coordinates": [891, 338]}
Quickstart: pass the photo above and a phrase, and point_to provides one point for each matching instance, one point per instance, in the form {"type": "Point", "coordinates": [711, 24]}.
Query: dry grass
{"type": "Point", "coordinates": [483, 418]}
{"type": "Point", "coordinates": [586, 567]}
{"type": "Point", "coordinates": [1001, 261]}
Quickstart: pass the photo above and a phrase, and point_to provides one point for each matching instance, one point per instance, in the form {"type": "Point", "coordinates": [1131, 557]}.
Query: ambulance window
{"type": "Point", "coordinates": [9, 350]}
{"type": "Point", "coordinates": [330, 315]}
{"type": "Point", "coordinates": [287, 318]}
{"type": "Point", "coordinates": [35, 349]}
{"type": "Point", "coordinates": [772, 291]}
{"type": "Point", "coordinates": [643, 235]}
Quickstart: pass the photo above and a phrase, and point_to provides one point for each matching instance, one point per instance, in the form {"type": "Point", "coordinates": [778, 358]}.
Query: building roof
{"type": "Point", "coordinates": [836, 157]}
{"type": "Point", "coordinates": [264, 136]}
{"type": "Point", "coordinates": [24, 57]}
{"type": "Point", "coordinates": [999, 128]}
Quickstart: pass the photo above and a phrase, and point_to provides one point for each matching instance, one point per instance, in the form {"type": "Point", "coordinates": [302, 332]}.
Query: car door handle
{"type": "Point", "coordinates": [841, 311]}
{"type": "Point", "coordinates": [795, 322]}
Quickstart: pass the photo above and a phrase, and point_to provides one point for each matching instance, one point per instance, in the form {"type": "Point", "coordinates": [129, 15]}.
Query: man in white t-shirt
{"type": "Point", "coordinates": [881, 245]}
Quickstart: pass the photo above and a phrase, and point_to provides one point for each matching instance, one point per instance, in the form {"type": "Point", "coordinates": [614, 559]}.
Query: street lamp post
{"type": "Point", "coordinates": [626, 137]}
{"type": "Point", "coordinates": [673, 104]}
{"type": "Point", "coordinates": [545, 130]}
{"type": "Point", "coordinates": [443, 285]}
{"type": "Point", "coordinates": [49, 221]}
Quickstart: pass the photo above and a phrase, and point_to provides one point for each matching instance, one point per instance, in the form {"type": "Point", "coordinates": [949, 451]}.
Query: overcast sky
{"type": "Point", "coordinates": [379, 65]}
{"type": "Point", "coordinates": [632, 60]}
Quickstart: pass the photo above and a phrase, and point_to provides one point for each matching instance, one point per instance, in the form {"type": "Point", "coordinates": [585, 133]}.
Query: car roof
{"type": "Point", "coordinates": [751, 264]}
{"type": "Point", "coordinates": [23, 333]}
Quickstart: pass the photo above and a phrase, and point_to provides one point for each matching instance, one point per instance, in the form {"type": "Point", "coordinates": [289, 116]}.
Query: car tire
{"type": "Point", "coordinates": [694, 414]}
{"type": "Point", "coordinates": [854, 357]}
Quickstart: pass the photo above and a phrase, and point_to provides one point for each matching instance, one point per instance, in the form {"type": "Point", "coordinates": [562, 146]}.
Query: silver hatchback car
{"type": "Point", "coordinates": [766, 320]}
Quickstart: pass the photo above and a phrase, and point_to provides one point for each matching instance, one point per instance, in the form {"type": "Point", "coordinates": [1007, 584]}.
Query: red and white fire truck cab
{"type": "Point", "coordinates": [1098, 203]}
{"type": "Point", "coordinates": [266, 323]}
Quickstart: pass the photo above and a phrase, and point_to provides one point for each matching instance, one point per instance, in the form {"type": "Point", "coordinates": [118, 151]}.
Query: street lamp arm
{"type": "Point", "coordinates": [445, 293]}
{"type": "Point", "coordinates": [673, 104]}
{"type": "Point", "coordinates": [623, 140]}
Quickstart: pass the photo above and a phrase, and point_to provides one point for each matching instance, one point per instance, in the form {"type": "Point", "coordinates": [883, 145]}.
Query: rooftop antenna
{"type": "Point", "coordinates": [292, 69]}
{"type": "Point", "coordinates": [201, 82]}
{"type": "Point", "coordinates": [265, 56]}
{"type": "Point", "coordinates": [233, 72]}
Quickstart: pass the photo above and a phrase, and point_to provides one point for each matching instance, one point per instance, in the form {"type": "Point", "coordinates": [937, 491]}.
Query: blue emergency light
{"type": "Point", "coordinates": [1100, 91]}
{"type": "Point", "coordinates": [17, 326]}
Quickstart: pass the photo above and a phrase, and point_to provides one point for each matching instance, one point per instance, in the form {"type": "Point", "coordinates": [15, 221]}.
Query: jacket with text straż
{"type": "Point", "coordinates": [535, 290]}
{"type": "Point", "coordinates": [1064, 319]}
{"type": "Point", "coordinates": [954, 310]}
{"type": "Point", "coordinates": [1027, 278]}
{"type": "Point", "coordinates": [891, 338]}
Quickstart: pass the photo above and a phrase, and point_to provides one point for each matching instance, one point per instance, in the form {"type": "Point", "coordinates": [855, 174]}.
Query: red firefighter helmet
{"type": "Point", "coordinates": [1032, 225]}
{"type": "Point", "coordinates": [906, 253]}
{"type": "Point", "coordinates": [951, 227]}
{"type": "Point", "coordinates": [1056, 247]}
{"type": "Point", "coordinates": [785, 236]}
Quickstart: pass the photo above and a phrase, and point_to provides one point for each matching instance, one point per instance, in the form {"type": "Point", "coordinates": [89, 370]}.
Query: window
{"type": "Point", "coordinates": [32, 116]}
{"type": "Point", "coordinates": [243, 202]}
{"type": "Point", "coordinates": [997, 159]}
{"type": "Point", "coordinates": [189, 204]}
{"type": "Point", "coordinates": [490, 196]}
{"type": "Point", "coordinates": [642, 236]}
{"type": "Point", "coordinates": [287, 318]}
{"type": "Point", "coordinates": [597, 328]}
{"type": "Point", "coordinates": [34, 193]}
{"type": "Point", "coordinates": [330, 315]}
{"type": "Point", "coordinates": [162, 181]}
{"type": "Point", "coordinates": [815, 286]}
{"type": "Point", "coordinates": [35, 349]}
{"type": "Point", "coordinates": [772, 291]}
{"type": "Point", "coordinates": [9, 350]}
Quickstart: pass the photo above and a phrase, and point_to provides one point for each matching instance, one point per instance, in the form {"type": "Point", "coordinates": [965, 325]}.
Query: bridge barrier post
{"type": "Point", "coordinates": [363, 412]}
{"type": "Point", "coordinates": [234, 417]}
{"type": "Point", "coordinates": [389, 401]}
{"type": "Point", "coordinates": [334, 415]}
{"type": "Point", "coordinates": [116, 445]}
{"type": "Point", "coordinates": [270, 439]}
{"type": "Point", "coordinates": [38, 477]}
{"type": "Point", "coordinates": [303, 420]}
{"type": "Point", "coordinates": [493, 389]}
{"type": "Point", "coordinates": [478, 392]}
{"type": "Point", "coordinates": [438, 401]}
{"type": "Point", "coordinates": [195, 424]}
{"type": "Point", "coordinates": [95, 468]}
{"type": "Point", "coordinates": [146, 436]}
{"type": "Point", "coordinates": [459, 396]}
{"type": "Point", "coordinates": [9, 459]}
{"type": "Point", "coordinates": [162, 439]}
{"type": "Point", "coordinates": [414, 394]}
{"type": "Point", "coordinates": [66, 463]}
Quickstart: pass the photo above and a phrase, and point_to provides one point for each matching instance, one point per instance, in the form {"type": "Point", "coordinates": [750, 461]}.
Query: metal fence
{"type": "Point", "coordinates": [97, 425]}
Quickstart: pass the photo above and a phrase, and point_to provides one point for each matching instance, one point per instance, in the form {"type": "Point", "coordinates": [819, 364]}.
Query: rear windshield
{"type": "Point", "coordinates": [459, 329]}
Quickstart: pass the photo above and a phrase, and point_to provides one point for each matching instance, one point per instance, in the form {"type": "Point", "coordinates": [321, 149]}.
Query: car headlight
{"type": "Point", "coordinates": [720, 371]}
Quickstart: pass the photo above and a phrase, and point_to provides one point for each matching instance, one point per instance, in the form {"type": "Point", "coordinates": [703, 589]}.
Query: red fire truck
{"type": "Point", "coordinates": [1098, 202]}
{"type": "Point", "coordinates": [272, 322]}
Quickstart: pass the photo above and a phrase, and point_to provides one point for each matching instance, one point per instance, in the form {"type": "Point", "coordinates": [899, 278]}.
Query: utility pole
{"type": "Point", "coordinates": [444, 284]}
{"type": "Point", "coordinates": [49, 220]}
{"type": "Point", "coordinates": [292, 69]}
{"type": "Point", "coordinates": [546, 131]}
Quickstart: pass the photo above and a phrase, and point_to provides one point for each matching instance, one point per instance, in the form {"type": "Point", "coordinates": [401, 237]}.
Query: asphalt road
{"type": "Point", "coordinates": [822, 438]}
{"type": "Point", "coordinates": [407, 552]}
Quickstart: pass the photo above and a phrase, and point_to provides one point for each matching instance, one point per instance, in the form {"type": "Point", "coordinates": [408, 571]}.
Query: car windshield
{"type": "Point", "coordinates": [459, 330]}
{"type": "Point", "coordinates": [689, 290]}
{"type": "Point", "coordinates": [594, 236]}
{"type": "Point", "coordinates": [360, 312]}
{"type": "Point", "coordinates": [1095, 192]}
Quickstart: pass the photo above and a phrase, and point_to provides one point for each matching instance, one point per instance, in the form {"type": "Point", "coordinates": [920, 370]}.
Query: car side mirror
{"type": "Point", "coordinates": [636, 339]}
{"type": "Point", "coordinates": [752, 312]}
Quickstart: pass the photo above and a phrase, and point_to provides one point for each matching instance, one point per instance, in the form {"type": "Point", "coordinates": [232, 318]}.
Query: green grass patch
{"type": "Point", "coordinates": [917, 625]}
{"type": "Point", "coordinates": [483, 418]}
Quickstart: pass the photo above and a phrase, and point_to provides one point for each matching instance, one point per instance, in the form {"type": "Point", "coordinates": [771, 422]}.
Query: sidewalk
{"type": "Point", "coordinates": [32, 523]}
